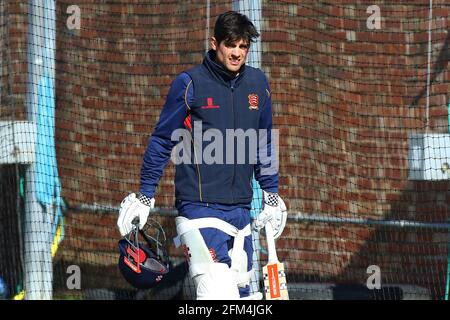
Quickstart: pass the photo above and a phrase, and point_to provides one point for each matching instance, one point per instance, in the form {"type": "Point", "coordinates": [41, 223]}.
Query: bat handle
{"type": "Point", "coordinates": [271, 243]}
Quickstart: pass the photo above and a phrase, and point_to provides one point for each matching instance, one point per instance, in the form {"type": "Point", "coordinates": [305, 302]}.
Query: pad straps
{"type": "Point", "coordinates": [238, 244]}
{"type": "Point", "coordinates": [216, 223]}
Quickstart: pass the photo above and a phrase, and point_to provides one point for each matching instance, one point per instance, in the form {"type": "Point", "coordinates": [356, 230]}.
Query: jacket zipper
{"type": "Point", "coordinates": [234, 127]}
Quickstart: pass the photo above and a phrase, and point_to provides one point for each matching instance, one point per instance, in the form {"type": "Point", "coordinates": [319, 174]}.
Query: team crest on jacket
{"type": "Point", "coordinates": [253, 101]}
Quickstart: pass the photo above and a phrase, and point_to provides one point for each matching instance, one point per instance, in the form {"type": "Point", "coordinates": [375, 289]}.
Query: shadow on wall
{"type": "Point", "coordinates": [334, 258]}
{"type": "Point", "coordinates": [412, 262]}
{"type": "Point", "coordinates": [112, 286]}
{"type": "Point", "coordinates": [11, 210]}
{"type": "Point", "coordinates": [439, 67]}
{"type": "Point", "coordinates": [412, 259]}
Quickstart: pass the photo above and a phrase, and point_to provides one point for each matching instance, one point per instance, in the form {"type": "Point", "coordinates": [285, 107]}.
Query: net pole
{"type": "Point", "coordinates": [208, 19]}
{"type": "Point", "coordinates": [430, 20]}
{"type": "Point", "coordinates": [252, 9]}
{"type": "Point", "coordinates": [38, 278]}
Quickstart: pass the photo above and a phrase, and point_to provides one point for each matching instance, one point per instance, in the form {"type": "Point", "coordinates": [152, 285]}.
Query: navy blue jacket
{"type": "Point", "coordinates": [209, 95]}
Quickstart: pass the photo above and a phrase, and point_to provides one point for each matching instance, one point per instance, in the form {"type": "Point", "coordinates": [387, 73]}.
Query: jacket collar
{"type": "Point", "coordinates": [219, 72]}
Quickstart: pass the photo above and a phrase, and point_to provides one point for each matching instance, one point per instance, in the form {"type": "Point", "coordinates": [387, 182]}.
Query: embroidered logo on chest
{"type": "Point", "coordinates": [253, 100]}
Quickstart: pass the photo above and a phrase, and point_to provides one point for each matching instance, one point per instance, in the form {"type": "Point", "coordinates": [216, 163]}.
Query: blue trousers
{"type": "Point", "coordinates": [217, 241]}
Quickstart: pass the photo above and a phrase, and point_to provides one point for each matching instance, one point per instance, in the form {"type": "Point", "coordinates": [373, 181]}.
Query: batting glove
{"type": "Point", "coordinates": [131, 208]}
{"type": "Point", "coordinates": [274, 212]}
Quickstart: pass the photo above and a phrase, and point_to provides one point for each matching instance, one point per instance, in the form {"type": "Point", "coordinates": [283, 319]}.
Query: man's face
{"type": "Point", "coordinates": [231, 55]}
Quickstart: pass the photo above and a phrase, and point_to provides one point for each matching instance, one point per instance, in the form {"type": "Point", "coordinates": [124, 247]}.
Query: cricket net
{"type": "Point", "coordinates": [360, 98]}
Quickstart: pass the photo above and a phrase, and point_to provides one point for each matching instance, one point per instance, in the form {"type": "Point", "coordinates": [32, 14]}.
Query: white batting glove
{"type": "Point", "coordinates": [132, 207]}
{"type": "Point", "coordinates": [274, 212]}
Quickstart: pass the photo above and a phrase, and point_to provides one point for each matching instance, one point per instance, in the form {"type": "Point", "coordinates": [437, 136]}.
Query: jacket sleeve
{"type": "Point", "coordinates": [266, 168]}
{"type": "Point", "coordinates": [160, 145]}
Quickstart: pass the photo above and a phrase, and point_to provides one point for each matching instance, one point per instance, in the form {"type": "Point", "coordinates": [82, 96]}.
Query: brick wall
{"type": "Point", "coordinates": [113, 76]}
{"type": "Point", "coordinates": [346, 99]}
{"type": "Point", "coordinates": [13, 62]}
{"type": "Point", "coordinates": [344, 106]}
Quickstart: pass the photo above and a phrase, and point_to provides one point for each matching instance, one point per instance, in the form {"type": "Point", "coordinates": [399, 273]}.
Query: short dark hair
{"type": "Point", "coordinates": [232, 26]}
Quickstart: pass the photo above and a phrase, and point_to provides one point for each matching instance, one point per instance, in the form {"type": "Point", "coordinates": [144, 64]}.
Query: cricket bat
{"type": "Point", "coordinates": [275, 286]}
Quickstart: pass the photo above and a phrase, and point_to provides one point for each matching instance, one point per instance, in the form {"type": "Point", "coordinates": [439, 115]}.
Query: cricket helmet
{"type": "Point", "coordinates": [143, 259]}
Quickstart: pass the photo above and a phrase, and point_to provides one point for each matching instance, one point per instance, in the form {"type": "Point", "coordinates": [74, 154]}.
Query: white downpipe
{"type": "Point", "coordinates": [208, 23]}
